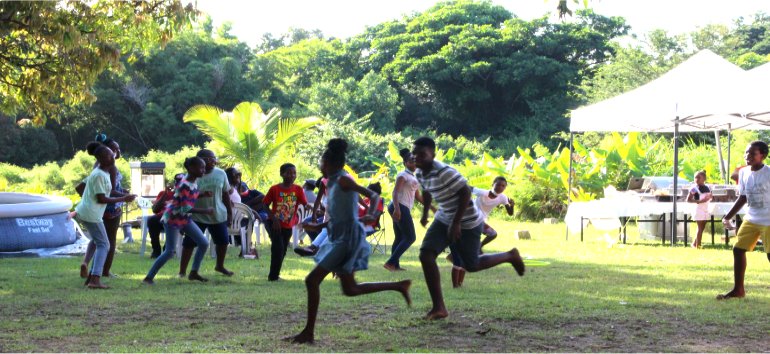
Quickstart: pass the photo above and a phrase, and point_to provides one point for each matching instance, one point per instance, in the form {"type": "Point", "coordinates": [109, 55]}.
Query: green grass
{"type": "Point", "coordinates": [593, 296]}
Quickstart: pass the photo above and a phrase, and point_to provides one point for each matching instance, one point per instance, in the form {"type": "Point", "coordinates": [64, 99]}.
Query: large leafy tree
{"type": "Point", "coordinates": [51, 52]}
{"type": "Point", "coordinates": [248, 136]}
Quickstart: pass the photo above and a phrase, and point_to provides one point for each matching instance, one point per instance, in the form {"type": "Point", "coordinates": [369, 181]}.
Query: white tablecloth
{"type": "Point", "coordinates": [605, 213]}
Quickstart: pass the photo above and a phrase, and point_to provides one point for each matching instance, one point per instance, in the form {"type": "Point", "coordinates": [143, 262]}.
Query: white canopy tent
{"type": "Point", "coordinates": [704, 93]}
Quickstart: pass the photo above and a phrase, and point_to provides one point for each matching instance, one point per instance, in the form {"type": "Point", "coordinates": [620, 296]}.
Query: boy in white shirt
{"type": "Point", "coordinates": [754, 187]}
{"type": "Point", "coordinates": [488, 200]}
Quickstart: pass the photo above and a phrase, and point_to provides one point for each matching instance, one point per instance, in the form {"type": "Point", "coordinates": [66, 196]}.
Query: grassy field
{"type": "Point", "coordinates": [594, 296]}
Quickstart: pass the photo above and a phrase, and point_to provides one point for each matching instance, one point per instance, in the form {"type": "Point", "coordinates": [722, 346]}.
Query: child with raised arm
{"type": "Point", "coordinates": [700, 194]}
{"type": "Point", "coordinates": [754, 188]}
{"type": "Point", "coordinates": [176, 218]}
{"type": "Point", "coordinates": [457, 225]}
{"type": "Point", "coordinates": [346, 250]}
{"type": "Point", "coordinates": [96, 196]}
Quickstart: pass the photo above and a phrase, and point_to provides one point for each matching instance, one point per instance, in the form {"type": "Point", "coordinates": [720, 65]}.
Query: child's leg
{"type": "Point", "coordinates": [468, 247]}
{"type": "Point", "coordinates": [90, 249]}
{"type": "Point", "coordinates": [312, 282]}
{"type": "Point", "coordinates": [699, 236]}
{"type": "Point", "coordinates": [194, 233]}
{"type": "Point", "coordinates": [435, 242]}
{"type": "Point", "coordinates": [405, 233]}
{"type": "Point", "coordinates": [351, 288]}
{"type": "Point", "coordinates": [171, 238]}
{"type": "Point", "coordinates": [111, 226]}
{"type": "Point", "coordinates": [490, 233]}
{"type": "Point", "coordinates": [221, 240]}
{"type": "Point", "coordinates": [739, 273]}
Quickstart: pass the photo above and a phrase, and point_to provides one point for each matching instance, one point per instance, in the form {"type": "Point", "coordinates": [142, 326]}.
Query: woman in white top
{"type": "Point", "coordinates": [700, 194]}
{"type": "Point", "coordinates": [407, 189]}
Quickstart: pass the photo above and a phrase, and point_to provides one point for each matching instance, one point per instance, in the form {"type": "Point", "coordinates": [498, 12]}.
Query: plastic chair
{"type": "Point", "coordinates": [145, 205]}
{"type": "Point", "coordinates": [298, 232]}
{"type": "Point", "coordinates": [240, 212]}
{"type": "Point", "coordinates": [377, 239]}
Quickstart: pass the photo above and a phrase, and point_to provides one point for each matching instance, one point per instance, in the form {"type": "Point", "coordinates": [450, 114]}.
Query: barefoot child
{"type": "Point", "coordinates": [346, 250]}
{"type": "Point", "coordinates": [176, 218]}
{"type": "Point", "coordinates": [486, 201]}
{"type": "Point", "coordinates": [92, 206]}
{"type": "Point", "coordinates": [457, 224]}
{"type": "Point", "coordinates": [285, 198]}
{"type": "Point", "coordinates": [754, 188]}
{"type": "Point", "coordinates": [700, 194]}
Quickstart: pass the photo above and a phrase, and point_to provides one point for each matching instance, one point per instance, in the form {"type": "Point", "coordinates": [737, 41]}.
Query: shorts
{"type": "Point", "coordinates": [219, 234]}
{"type": "Point", "coordinates": [465, 252]}
{"type": "Point", "coordinates": [748, 235]}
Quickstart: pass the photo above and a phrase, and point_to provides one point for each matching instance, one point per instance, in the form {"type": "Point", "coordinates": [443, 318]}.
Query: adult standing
{"type": "Point", "coordinates": [214, 193]}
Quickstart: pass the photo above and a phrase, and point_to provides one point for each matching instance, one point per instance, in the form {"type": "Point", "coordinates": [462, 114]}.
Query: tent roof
{"type": "Point", "coordinates": [703, 92]}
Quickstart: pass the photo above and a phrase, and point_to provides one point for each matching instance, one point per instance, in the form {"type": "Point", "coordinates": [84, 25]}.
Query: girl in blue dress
{"type": "Point", "coordinates": [346, 250]}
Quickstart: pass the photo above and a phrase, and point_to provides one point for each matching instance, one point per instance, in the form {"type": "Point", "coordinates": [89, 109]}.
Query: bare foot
{"type": "Point", "coordinates": [517, 262]}
{"type": "Point", "coordinates": [390, 267]}
{"type": "Point", "coordinates": [148, 281]}
{"type": "Point", "coordinates": [436, 314]}
{"type": "Point", "coordinates": [182, 275]}
{"type": "Point", "coordinates": [95, 283]}
{"type": "Point", "coordinates": [224, 271]}
{"type": "Point", "coordinates": [303, 337]}
{"type": "Point", "coordinates": [731, 294]}
{"type": "Point", "coordinates": [83, 270]}
{"type": "Point", "coordinates": [195, 276]}
{"type": "Point", "coordinates": [405, 285]}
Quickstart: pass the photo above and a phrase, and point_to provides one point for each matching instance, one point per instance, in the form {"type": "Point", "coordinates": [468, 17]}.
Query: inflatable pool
{"type": "Point", "coordinates": [34, 221]}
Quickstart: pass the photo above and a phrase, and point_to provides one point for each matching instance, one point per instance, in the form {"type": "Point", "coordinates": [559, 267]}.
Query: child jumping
{"type": "Point", "coordinates": [754, 188]}
{"type": "Point", "coordinates": [176, 218]}
{"type": "Point", "coordinates": [457, 225]}
{"type": "Point", "coordinates": [700, 194]}
{"type": "Point", "coordinates": [92, 206]}
{"type": "Point", "coordinates": [346, 250]}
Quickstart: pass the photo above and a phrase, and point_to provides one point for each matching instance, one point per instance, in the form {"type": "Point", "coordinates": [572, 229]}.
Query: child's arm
{"type": "Point", "coordinates": [420, 199]}
{"type": "Point", "coordinates": [206, 211]}
{"type": "Point", "coordinates": [80, 188]}
{"type": "Point", "coordinates": [319, 196]}
{"type": "Point", "coordinates": [739, 203]}
{"type": "Point", "coordinates": [426, 205]}
{"type": "Point", "coordinates": [691, 197]}
{"type": "Point", "coordinates": [103, 199]}
{"type": "Point", "coordinates": [509, 207]}
{"type": "Point", "coordinates": [347, 184]}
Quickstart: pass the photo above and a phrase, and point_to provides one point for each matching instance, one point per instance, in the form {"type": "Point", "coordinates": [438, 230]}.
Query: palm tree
{"type": "Point", "coordinates": [248, 136]}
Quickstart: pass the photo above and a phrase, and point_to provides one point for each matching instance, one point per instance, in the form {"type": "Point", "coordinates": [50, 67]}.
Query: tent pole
{"type": "Point", "coordinates": [729, 143]}
{"type": "Point", "coordinates": [676, 178]}
{"type": "Point", "coordinates": [569, 178]}
{"type": "Point", "coordinates": [722, 170]}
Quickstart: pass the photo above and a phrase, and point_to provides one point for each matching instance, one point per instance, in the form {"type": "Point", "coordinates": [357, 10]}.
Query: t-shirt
{"type": "Point", "coordinates": [234, 196]}
{"type": "Point", "coordinates": [177, 213]}
{"type": "Point", "coordinates": [89, 209]}
{"type": "Point", "coordinates": [284, 203]}
{"type": "Point", "coordinates": [485, 204]}
{"type": "Point", "coordinates": [443, 183]}
{"type": "Point", "coordinates": [699, 193]}
{"type": "Point", "coordinates": [216, 183]}
{"type": "Point", "coordinates": [755, 185]}
{"type": "Point", "coordinates": [410, 186]}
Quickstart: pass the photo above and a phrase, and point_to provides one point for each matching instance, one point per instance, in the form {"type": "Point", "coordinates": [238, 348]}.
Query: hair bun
{"type": "Point", "coordinates": [93, 147]}
{"type": "Point", "coordinates": [338, 146]}
{"type": "Point", "coordinates": [100, 137]}
{"type": "Point", "coordinates": [405, 153]}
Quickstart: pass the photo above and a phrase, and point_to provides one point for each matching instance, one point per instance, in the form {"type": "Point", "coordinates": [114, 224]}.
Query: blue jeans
{"type": "Point", "coordinates": [192, 231]}
{"type": "Point", "coordinates": [313, 234]}
{"type": "Point", "coordinates": [404, 234]}
{"type": "Point", "coordinates": [99, 237]}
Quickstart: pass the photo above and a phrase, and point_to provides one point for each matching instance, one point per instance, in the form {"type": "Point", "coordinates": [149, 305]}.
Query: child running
{"type": "Point", "coordinates": [346, 250]}
{"type": "Point", "coordinates": [486, 201]}
{"type": "Point", "coordinates": [176, 218]}
{"type": "Point", "coordinates": [457, 224]}
{"type": "Point", "coordinates": [754, 188]}
{"type": "Point", "coordinates": [700, 194]}
{"type": "Point", "coordinates": [90, 210]}
{"type": "Point", "coordinates": [285, 197]}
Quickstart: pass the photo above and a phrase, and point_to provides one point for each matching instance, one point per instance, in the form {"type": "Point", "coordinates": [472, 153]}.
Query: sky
{"type": "Point", "coordinates": [345, 18]}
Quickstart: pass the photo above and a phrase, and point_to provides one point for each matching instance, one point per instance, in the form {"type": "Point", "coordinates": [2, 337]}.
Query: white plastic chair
{"type": "Point", "coordinates": [145, 205]}
{"type": "Point", "coordinates": [240, 212]}
{"type": "Point", "coordinates": [302, 213]}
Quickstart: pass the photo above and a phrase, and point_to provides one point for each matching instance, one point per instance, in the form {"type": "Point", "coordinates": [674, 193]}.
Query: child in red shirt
{"type": "Point", "coordinates": [284, 198]}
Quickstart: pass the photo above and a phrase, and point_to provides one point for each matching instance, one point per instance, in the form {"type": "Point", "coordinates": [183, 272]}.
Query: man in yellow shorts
{"type": "Point", "coordinates": [754, 187]}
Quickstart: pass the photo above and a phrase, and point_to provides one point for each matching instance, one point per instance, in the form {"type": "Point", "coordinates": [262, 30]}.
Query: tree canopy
{"type": "Point", "coordinates": [52, 52]}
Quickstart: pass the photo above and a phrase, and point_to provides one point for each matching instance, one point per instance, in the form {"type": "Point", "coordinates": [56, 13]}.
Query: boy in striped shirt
{"type": "Point", "coordinates": [457, 224]}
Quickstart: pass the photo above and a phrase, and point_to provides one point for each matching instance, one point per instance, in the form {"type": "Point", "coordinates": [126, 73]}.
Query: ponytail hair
{"type": "Point", "coordinates": [335, 152]}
